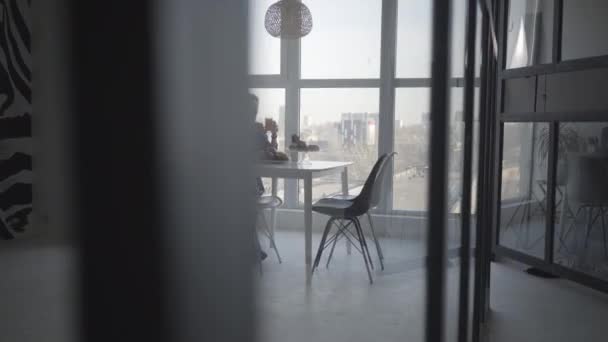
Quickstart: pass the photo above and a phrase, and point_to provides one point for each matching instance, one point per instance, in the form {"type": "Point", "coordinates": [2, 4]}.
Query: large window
{"type": "Point", "coordinates": [345, 40]}
{"type": "Point", "coordinates": [411, 144]}
{"type": "Point", "coordinates": [412, 113]}
{"type": "Point", "coordinates": [344, 123]}
{"type": "Point", "coordinates": [330, 87]}
{"type": "Point", "coordinates": [264, 50]}
{"type": "Point", "coordinates": [414, 39]}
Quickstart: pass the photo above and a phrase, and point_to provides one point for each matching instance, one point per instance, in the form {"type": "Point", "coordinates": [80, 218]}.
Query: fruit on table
{"type": "Point", "coordinates": [280, 156]}
{"type": "Point", "coordinates": [273, 155]}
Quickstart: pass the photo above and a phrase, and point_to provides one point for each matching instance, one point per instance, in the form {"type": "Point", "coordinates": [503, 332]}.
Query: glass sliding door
{"type": "Point", "coordinates": [455, 167]}
{"type": "Point", "coordinates": [523, 196]}
{"type": "Point", "coordinates": [360, 85]}
{"type": "Point", "coordinates": [581, 198]}
{"type": "Point", "coordinates": [552, 113]}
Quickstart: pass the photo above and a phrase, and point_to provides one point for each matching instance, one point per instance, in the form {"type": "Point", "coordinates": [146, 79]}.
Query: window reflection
{"type": "Point", "coordinates": [524, 187]}
{"type": "Point", "coordinates": [529, 33]}
{"type": "Point", "coordinates": [581, 203]}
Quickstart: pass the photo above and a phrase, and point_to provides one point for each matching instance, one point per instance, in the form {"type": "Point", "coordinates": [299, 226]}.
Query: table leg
{"type": "Point", "coordinates": [308, 226]}
{"type": "Point", "coordinates": [273, 212]}
{"type": "Point", "coordinates": [344, 175]}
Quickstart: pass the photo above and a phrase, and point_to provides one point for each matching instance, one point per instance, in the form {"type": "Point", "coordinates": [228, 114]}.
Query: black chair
{"type": "Point", "coordinates": [344, 213]}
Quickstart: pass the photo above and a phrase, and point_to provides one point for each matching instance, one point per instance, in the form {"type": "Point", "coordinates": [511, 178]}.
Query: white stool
{"type": "Point", "coordinates": [263, 203]}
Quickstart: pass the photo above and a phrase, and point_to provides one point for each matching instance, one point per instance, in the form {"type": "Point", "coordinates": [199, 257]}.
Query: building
{"type": "Point", "coordinates": [359, 129]}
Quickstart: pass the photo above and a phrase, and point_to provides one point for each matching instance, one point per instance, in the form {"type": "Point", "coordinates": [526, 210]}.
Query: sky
{"type": "Point", "coordinates": [345, 43]}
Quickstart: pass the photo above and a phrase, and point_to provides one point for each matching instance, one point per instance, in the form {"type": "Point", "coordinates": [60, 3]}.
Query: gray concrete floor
{"type": "Point", "coordinates": [527, 308]}
{"type": "Point", "coordinates": [37, 296]}
{"type": "Point", "coordinates": [341, 305]}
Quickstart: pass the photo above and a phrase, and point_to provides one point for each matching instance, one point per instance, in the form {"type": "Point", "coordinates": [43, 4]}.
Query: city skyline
{"type": "Point", "coordinates": [345, 43]}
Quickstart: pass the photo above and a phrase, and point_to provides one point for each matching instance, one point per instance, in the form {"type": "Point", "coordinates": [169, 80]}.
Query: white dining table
{"type": "Point", "coordinates": [306, 171]}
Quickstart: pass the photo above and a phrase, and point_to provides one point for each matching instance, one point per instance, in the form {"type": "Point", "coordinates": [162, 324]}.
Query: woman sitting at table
{"type": "Point", "coordinates": [266, 150]}
{"type": "Point", "coordinates": [263, 147]}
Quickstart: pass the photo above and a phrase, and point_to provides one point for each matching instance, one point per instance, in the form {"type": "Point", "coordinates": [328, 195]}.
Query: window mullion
{"type": "Point", "coordinates": [290, 69]}
{"type": "Point", "coordinates": [386, 136]}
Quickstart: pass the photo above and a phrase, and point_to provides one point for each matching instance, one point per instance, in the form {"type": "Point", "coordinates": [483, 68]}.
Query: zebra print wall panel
{"type": "Point", "coordinates": [15, 117]}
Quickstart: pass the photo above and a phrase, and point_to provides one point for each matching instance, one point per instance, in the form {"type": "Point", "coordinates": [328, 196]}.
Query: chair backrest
{"type": "Point", "coordinates": [372, 189]}
{"type": "Point", "coordinates": [588, 178]}
{"type": "Point", "coordinates": [383, 172]}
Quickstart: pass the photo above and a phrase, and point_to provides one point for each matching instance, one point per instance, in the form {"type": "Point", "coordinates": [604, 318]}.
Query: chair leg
{"type": "Point", "coordinates": [270, 235]}
{"type": "Point", "coordinates": [360, 235]}
{"type": "Point", "coordinates": [276, 250]}
{"type": "Point", "coordinates": [366, 250]}
{"type": "Point", "coordinates": [378, 248]}
{"type": "Point", "coordinates": [258, 251]}
{"type": "Point", "coordinates": [267, 229]}
{"type": "Point", "coordinates": [341, 230]}
{"type": "Point", "coordinates": [333, 247]}
{"type": "Point", "coordinates": [322, 244]}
